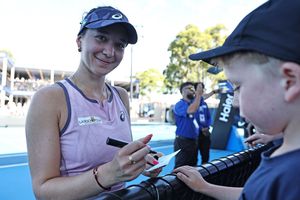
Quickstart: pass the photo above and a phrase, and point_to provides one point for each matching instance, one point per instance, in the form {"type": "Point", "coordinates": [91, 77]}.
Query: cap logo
{"type": "Point", "coordinates": [117, 16]}
{"type": "Point", "coordinates": [83, 22]}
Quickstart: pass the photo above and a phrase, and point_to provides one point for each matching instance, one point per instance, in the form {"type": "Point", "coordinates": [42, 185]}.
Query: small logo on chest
{"type": "Point", "coordinates": [122, 116]}
{"type": "Point", "coordinates": [89, 120]}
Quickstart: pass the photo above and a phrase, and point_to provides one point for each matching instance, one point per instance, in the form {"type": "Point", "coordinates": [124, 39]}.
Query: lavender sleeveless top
{"type": "Point", "coordinates": [89, 123]}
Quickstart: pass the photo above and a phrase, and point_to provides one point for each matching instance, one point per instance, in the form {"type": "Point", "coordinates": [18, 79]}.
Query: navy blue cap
{"type": "Point", "coordinates": [105, 16]}
{"type": "Point", "coordinates": [272, 29]}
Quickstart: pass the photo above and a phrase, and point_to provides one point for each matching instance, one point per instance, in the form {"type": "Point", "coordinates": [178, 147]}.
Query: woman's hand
{"type": "Point", "coordinates": [192, 178]}
{"type": "Point", "coordinates": [151, 161]}
{"type": "Point", "coordinates": [128, 163]}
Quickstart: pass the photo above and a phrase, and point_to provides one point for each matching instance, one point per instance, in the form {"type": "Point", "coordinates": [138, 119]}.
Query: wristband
{"type": "Point", "coordinates": [95, 173]}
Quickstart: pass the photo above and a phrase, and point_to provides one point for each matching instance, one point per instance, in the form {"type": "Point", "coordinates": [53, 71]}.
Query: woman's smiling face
{"type": "Point", "coordinates": [102, 50]}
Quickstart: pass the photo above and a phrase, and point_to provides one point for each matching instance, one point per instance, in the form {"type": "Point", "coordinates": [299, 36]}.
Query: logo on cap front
{"type": "Point", "coordinates": [117, 16]}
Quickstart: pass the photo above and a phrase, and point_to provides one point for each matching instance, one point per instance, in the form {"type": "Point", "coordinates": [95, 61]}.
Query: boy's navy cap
{"type": "Point", "coordinates": [272, 29]}
{"type": "Point", "coordinates": [105, 16]}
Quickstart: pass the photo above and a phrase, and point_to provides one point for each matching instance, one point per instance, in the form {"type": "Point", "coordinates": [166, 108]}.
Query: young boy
{"type": "Point", "coordinates": [262, 59]}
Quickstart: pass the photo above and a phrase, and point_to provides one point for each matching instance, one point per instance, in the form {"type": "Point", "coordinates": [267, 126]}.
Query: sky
{"type": "Point", "coordinates": [42, 33]}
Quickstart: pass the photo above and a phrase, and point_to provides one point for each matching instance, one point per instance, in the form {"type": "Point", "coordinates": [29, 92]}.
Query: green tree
{"type": "Point", "coordinates": [150, 80]}
{"type": "Point", "coordinates": [189, 41]}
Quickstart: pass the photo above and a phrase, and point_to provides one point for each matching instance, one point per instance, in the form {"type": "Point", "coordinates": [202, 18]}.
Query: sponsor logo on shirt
{"type": "Point", "coordinates": [82, 121]}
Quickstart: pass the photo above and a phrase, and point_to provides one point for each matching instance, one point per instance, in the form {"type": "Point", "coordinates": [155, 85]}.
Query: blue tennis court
{"type": "Point", "coordinates": [15, 181]}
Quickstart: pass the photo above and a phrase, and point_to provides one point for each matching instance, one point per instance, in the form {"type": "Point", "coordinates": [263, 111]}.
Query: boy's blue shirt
{"type": "Point", "coordinates": [276, 177]}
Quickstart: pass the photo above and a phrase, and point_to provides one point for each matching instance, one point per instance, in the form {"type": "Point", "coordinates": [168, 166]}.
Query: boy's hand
{"type": "Point", "coordinates": [191, 177]}
{"type": "Point", "coordinates": [260, 138]}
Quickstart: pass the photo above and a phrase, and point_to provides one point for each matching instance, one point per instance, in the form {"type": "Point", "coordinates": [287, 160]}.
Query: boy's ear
{"type": "Point", "coordinates": [291, 80]}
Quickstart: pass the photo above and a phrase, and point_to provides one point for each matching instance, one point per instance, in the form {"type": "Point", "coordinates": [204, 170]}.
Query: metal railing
{"type": "Point", "coordinates": [232, 170]}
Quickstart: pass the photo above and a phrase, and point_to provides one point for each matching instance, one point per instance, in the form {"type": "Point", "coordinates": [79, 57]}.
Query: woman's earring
{"type": "Point", "coordinates": [79, 49]}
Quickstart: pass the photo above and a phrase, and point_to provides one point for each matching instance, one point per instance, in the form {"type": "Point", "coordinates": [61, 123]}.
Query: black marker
{"type": "Point", "coordinates": [120, 144]}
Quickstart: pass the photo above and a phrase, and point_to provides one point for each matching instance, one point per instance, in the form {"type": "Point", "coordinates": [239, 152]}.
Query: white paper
{"type": "Point", "coordinates": [163, 161]}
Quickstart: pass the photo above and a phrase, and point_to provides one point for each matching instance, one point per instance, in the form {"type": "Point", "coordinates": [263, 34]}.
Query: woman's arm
{"type": "Point", "coordinates": [44, 120]}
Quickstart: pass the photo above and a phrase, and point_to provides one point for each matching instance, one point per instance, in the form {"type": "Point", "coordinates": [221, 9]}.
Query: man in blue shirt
{"type": "Point", "coordinates": [187, 127]}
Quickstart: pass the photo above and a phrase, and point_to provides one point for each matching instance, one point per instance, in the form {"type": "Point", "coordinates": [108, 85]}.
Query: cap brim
{"type": "Point", "coordinates": [132, 34]}
{"type": "Point", "coordinates": [206, 56]}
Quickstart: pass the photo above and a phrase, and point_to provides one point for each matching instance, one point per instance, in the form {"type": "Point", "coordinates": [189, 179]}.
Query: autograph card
{"type": "Point", "coordinates": [163, 161]}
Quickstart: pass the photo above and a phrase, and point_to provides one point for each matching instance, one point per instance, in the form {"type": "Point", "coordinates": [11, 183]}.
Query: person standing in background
{"type": "Point", "coordinates": [186, 125]}
{"type": "Point", "coordinates": [203, 119]}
